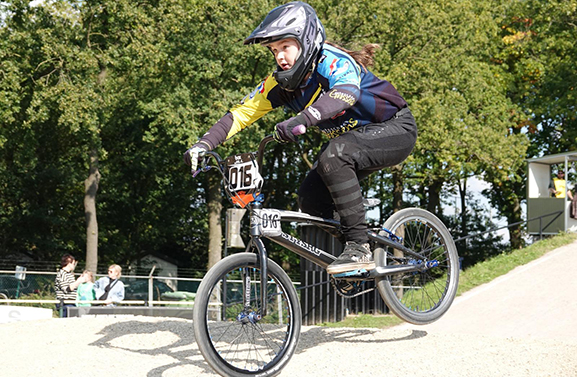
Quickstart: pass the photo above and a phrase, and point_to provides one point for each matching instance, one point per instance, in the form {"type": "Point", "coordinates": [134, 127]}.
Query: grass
{"type": "Point", "coordinates": [379, 321]}
{"type": "Point", "coordinates": [470, 278]}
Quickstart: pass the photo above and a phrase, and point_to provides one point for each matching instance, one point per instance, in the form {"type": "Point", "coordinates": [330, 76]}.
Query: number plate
{"type": "Point", "coordinates": [243, 174]}
{"type": "Point", "coordinates": [240, 176]}
{"type": "Point", "coordinates": [269, 221]}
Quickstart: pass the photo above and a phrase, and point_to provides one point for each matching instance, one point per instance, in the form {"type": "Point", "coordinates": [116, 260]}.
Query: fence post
{"type": "Point", "coordinates": [151, 286]}
{"type": "Point", "coordinates": [540, 227]}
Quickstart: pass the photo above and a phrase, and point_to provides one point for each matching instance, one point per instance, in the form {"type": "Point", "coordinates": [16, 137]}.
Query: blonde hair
{"type": "Point", "coordinates": [90, 275]}
{"type": "Point", "coordinates": [117, 268]}
{"type": "Point", "coordinates": [364, 56]}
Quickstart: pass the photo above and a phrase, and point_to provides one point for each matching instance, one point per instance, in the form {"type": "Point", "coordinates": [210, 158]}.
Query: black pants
{"type": "Point", "coordinates": [333, 182]}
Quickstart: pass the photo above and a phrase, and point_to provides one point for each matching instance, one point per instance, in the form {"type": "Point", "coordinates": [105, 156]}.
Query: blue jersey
{"type": "Point", "coordinates": [339, 95]}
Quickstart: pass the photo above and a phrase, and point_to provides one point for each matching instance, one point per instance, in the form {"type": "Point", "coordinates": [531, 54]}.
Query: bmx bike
{"type": "Point", "coordinates": [247, 316]}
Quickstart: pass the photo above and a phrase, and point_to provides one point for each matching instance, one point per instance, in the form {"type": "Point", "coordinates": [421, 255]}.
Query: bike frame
{"type": "Point", "coordinates": [311, 252]}
{"type": "Point", "coordinates": [259, 228]}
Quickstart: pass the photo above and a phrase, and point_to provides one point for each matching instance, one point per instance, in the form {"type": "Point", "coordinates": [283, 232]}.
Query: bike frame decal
{"type": "Point", "coordinates": [304, 249]}
{"type": "Point", "coordinates": [269, 221]}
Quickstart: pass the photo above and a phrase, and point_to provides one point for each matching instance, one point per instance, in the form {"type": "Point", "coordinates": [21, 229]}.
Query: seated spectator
{"type": "Point", "coordinates": [110, 289]}
{"type": "Point", "coordinates": [86, 290]}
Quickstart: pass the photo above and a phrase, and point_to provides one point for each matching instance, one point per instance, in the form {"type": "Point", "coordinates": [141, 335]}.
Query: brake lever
{"type": "Point", "coordinates": [204, 166]}
{"type": "Point", "coordinates": [201, 170]}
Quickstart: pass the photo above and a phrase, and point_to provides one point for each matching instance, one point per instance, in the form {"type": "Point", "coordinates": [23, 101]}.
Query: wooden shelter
{"type": "Point", "coordinates": [546, 214]}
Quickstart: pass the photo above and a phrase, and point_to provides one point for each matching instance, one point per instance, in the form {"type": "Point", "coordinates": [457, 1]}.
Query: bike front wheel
{"type": "Point", "coordinates": [424, 296]}
{"type": "Point", "coordinates": [229, 330]}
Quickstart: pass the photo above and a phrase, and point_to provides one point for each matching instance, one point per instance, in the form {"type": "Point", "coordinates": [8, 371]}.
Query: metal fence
{"type": "Point", "coordinates": [37, 287]}
{"type": "Point", "coordinates": [319, 300]}
{"type": "Point", "coordinates": [144, 295]}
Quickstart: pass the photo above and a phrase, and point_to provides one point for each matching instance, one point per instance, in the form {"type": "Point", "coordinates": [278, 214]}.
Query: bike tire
{"type": "Point", "coordinates": [419, 297]}
{"type": "Point", "coordinates": [233, 347]}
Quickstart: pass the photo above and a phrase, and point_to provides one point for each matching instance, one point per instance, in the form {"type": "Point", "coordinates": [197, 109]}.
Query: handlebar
{"type": "Point", "coordinates": [301, 129]}
{"type": "Point", "coordinates": [298, 130]}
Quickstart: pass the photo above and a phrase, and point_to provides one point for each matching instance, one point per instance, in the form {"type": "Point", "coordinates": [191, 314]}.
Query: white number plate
{"type": "Point", "coordinates": [269, 221]}
{"type": "Point", "coordinates": [241, 176]}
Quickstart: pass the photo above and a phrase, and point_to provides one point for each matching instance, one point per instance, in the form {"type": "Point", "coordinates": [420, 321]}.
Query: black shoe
{"type": "Point", "coordinates": [354, 257]}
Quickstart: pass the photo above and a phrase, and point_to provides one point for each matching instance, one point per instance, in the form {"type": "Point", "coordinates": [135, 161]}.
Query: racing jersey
{"type": "Point", "coordinates": [339, 95]}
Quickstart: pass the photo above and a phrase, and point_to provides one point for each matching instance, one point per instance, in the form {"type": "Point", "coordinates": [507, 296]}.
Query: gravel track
{"type": "Point", "coordinates": [521, 324]}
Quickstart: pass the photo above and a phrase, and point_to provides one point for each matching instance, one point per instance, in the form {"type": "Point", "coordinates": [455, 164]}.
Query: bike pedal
{"type": "Point", "coordinates": [359, 272]}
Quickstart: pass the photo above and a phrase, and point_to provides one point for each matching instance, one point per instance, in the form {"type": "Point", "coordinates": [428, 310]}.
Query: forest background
{"type": "Point", "coordinates": [100, 98]}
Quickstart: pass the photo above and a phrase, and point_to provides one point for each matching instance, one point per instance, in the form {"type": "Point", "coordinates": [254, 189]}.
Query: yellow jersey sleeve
{"type": "Point", "coordinates": [253, 107]}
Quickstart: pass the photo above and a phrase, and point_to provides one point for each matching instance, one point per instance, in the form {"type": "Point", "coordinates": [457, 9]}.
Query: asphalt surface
{"type": "Point", "coordinates": [537, 300]}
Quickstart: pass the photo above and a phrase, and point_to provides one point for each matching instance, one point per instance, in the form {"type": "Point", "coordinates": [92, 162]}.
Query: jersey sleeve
{"type": "Point", "coordinates": [253, 107]}
{"type": "Point", "coordinates": [344, 78]}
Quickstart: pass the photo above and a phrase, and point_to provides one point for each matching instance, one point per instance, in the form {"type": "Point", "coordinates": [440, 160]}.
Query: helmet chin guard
{"type": "Point", "coordinates": [296, 20]}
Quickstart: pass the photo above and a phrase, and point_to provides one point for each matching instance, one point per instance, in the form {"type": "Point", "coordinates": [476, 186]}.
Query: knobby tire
{"type": "Point", "coordinates": [424, 296]}
{"type": "Point", "coordinates": [232, 344]}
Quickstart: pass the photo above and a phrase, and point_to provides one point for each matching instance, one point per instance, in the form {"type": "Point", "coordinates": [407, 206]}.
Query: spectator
{"type": "Point", "coordinates": [86, 289]}
{"type": "Point", "coordinates": [558, 185]}
{"type": "Point", "coordinates": [65, 285]}
{"type": "Point", "coordinates": [573, 205]}
{"type": "Point", "coordinates": [110, 289]}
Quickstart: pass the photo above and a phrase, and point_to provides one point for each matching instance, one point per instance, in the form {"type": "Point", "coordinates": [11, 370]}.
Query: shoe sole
{"type": "Point", "coordinates": [350, 267]}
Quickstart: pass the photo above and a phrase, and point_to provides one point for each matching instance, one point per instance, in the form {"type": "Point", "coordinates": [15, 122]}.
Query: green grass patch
{"type": "Point", "coordinates": [366, 321]}
{"type": "Point", "coordinates": [490, 269]}
{"type": "Point", "coordinates": [472, 277]}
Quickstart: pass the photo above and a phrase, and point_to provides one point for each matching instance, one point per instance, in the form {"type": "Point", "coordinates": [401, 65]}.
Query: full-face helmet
{"type": "Point", "coordinates": [296, 20]}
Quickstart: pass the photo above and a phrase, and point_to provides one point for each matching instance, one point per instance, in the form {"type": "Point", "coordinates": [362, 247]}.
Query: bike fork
{"type": "Point", "coordinates": [262, 261]}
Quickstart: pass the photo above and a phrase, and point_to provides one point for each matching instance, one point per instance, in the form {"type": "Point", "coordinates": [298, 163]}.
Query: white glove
{"type": "Point", "coordinates": [192, 155]}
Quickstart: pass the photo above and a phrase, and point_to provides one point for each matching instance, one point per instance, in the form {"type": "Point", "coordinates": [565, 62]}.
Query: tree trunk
{"type": "Point", "coordinates": [90, 190]}
{"type": "Point", "coordinates": [514, 216]}
{"type": "Point", "coordinates": [214, 204]}
{"type": "Point", "coordinates": [434, 204]}
{"type": "Point", "coordinates": [464, 213]}
{"type": "Point", "coordinates": [397, 188]}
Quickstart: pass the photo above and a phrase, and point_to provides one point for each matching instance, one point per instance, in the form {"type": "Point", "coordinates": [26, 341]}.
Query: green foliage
{"type": "Point", "coordinates": [38, 296]}
{"type": "Point", "coordinates": [539, 55]}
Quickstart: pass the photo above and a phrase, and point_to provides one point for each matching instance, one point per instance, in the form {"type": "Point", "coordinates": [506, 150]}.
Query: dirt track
{"type": "Point", "coordinates": [522, 324]}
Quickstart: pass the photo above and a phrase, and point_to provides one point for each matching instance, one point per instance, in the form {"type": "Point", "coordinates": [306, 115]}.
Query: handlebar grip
{"type": "Point", "coordinates": [299, 130]}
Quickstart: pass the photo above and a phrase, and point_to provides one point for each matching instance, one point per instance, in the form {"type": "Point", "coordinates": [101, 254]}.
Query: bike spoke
{"type": "Point", "coordinates": [247, 342]}
{"type": "Point", "coordinates": [421, 291]}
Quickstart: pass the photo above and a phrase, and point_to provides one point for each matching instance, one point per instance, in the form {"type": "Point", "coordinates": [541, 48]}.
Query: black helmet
{"type": "Point", "coordinates": [292, 20]}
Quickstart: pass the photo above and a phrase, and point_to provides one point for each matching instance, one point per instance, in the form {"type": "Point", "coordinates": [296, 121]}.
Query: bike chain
{"type": "Point", "coordinates": [348, 295]}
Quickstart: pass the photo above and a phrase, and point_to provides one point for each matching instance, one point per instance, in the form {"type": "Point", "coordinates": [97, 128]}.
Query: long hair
{"type": "Point", "coordinates": [364, 56]}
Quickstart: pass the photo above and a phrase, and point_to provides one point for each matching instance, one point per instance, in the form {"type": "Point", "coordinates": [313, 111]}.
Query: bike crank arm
{"type": "Point", "coordinates": [395, 270]}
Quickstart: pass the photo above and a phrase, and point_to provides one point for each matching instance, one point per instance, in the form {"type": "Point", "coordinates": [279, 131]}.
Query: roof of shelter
{"type": "Point", "coordinates": [553, 159]}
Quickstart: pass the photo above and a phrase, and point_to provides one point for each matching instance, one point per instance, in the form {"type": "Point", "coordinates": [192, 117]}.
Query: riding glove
{"type": "Point", "coordinates": [193, 154]}
{"type": "Point", "coordinates": [284, 130]}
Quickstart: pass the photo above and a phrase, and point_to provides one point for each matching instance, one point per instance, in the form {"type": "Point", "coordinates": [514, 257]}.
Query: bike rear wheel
{"type": "Point", "coordinates": [424, 296]}
{"type": "Point", "coordinates": [229, 333]}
